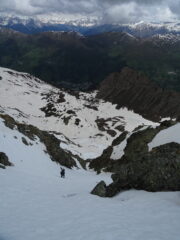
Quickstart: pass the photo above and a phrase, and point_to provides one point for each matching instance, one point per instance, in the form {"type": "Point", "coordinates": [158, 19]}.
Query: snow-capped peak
{"type": "Point", "coordinates": [50, 19]}
{"type": "Point", "coordinates": [161, 39]}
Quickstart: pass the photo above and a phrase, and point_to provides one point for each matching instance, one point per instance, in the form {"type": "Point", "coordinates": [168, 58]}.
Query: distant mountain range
{"type": "Point", "coordinates": [96, 100]}
{"type": "Point", "coordinates": [86, 26]}
{"type": "Point", "coordinates": [75, 61]}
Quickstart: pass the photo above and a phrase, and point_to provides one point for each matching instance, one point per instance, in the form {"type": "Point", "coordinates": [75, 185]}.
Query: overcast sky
{"type": "Point", "coordinates": [108, 10]}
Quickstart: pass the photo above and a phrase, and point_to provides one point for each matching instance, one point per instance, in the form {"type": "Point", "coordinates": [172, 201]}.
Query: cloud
{"type": "Point", "coordinates": [123, 13]}
{"type": "Point", "coordinates": [175, 7]}
{"type": "Point", "coordinates": [67, 6]}
{"type": "Point", "coordinates": [107, 10]}
{"type": "Point", "coordinates": [134, 11]}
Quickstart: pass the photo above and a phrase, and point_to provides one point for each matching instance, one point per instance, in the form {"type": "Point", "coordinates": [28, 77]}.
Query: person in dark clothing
{"type": "Point", "coordinates": [62, 173]}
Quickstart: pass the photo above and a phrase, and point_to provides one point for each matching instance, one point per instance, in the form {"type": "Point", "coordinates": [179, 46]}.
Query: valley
{"type": "Point", "coordinates": [74, 61]}
{"type": "Point", "coordinates": [100, 101]}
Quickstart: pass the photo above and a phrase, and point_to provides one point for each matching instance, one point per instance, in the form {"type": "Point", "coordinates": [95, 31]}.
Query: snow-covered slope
{"type": "Point", "coordinates": [168, 135]}
{"type": "Point", "coordinates": [49, 19]}
{"type": "Point", "coordinates": [85, 124]}
{"type": "Point", "coordinates": [162, 39]}
{"type": "Point", "coordinates": [148, 26]}
{"type": "Point", "coordinates": [37, 204]}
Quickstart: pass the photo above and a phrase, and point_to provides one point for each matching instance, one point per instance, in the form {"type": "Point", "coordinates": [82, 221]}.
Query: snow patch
{"type": "Point", "coordinates": [23, 97]}
{"type": "Point", "coordinates": [171, 134]}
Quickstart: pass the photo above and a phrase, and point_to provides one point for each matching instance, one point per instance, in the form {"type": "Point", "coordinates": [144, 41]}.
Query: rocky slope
{"type": "Point", "coordinates": [85, 124]}
{"type": "Point", "coordinates": [51, 143]}
{"type": "Point", "coordinates": [80, 130]}
{"type": "Point", "coordinates": [145, 164]}
{"type": "Point", "coordinates": [134, 90]}
{"type": "Point", "coordinates": [37, 204]}
{"type": "Point", "coordinates": [4, 160]}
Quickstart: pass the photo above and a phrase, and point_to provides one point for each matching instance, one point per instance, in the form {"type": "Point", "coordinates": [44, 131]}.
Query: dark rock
{"type": "Point", "coordinates": [111, 132]}
{"type": "Point", "coordinates": [136, 144]}
{"type": "Point", "coordinates": [77, 121]}
{"type": "Point", "coordinates": [8, 121]}
{"type": "Point", "coordinates": [103, 161]}
{"type": "Point", "coordinates": [101, 124]}
{"type": "Point", "coordinates": [71, 112]}
{"type": "Point", "coordinates": [24, 141]}
{"type": "Point", "coordinates": [158, 170]}
{"type": "Point", "coordinates": [120, 128]}
{"type": "Point", "coordinates": [61, 98]}
{"type": "Point", "coordinates": [49, 110]}
{"type": "Point", "coordinates": [138, 128]}
{"type": "Point", "coordinates": [133, 90]}
{"type": "Point", "coordinates": [91, 107]}
{"type": "Point", "coordinates": [52, 144]}
{"type": "Point", "coordinates": [100, 189]}
{"type": "Point", "coordinates": [66, 119]}
{"type": "Point", "coordinates": [73, 93]}
{"type": "Point", "coordinates": [119, 139]}
{"type": "Point", "coordinates": [4, 160]}
{"type": "Point", "coordinates": [166, 124]}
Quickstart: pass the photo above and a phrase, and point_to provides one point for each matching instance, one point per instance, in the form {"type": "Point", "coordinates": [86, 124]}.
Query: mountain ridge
{"type": "Point", "coordinates": [71, 60]}
{"type": "Point", "coordinates": [85, 124]}
{"type": "Point", "coordinates": [134, 90]}
{"type": "Point", "coordinates": [81, 131]}
{"type": "Point", "coordinates": [85, 25]}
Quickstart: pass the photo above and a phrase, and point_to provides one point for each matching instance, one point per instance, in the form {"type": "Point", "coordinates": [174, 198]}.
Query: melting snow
{"type": "Point", "coordinates": [37, 204]}
{"type": "Point", "coordinates": [168, 135]}
{"type": "Point", "coordinates": [22, 97]}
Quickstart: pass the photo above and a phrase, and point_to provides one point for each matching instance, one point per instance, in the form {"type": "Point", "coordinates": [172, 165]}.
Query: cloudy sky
{"type": "Point", "coordinates": [108, 10]}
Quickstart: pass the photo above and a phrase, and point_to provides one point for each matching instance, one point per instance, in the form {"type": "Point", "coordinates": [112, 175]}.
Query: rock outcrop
{"type": "Point", "coordinates": [104, 161]}
{"type": "Point", "coordinates": [4, 160]}
{"type": "Point", "coordinates": [158, 170]}
{"type": "Point", "coordinates": [139, 168]}
{"type": "Point", "coordinates": [52, 144]}
{"type": "Point", "coordinates": [135, 91]}
{"type": "Point", "coordinates": [100, 189]}
{"type": "Point", "coordinates": [137, 145]}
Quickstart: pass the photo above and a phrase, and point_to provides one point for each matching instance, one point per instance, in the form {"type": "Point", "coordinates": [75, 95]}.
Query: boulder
{"type": "Point", "coordinates": [25, 141]}
{"type": "Point", "coordinates": [4, 160]}
{"type": "Point", "coordinates": [100, 189]}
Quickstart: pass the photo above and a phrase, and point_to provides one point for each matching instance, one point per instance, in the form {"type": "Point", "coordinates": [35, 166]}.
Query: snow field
{"type": "Point", "coordinates": [37, 204]}
{"type": "Point", "coordinates": [171, 134]}
{"type": "Point", "coordinates": [22, 96]}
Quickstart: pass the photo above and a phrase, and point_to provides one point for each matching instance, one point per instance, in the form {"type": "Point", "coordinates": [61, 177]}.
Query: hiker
{"type": "Point", "coordinates": [62, 173]}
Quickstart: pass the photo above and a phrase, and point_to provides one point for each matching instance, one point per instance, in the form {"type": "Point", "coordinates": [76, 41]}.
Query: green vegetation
{"type": "Point", "coordinates": [69, 60]}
